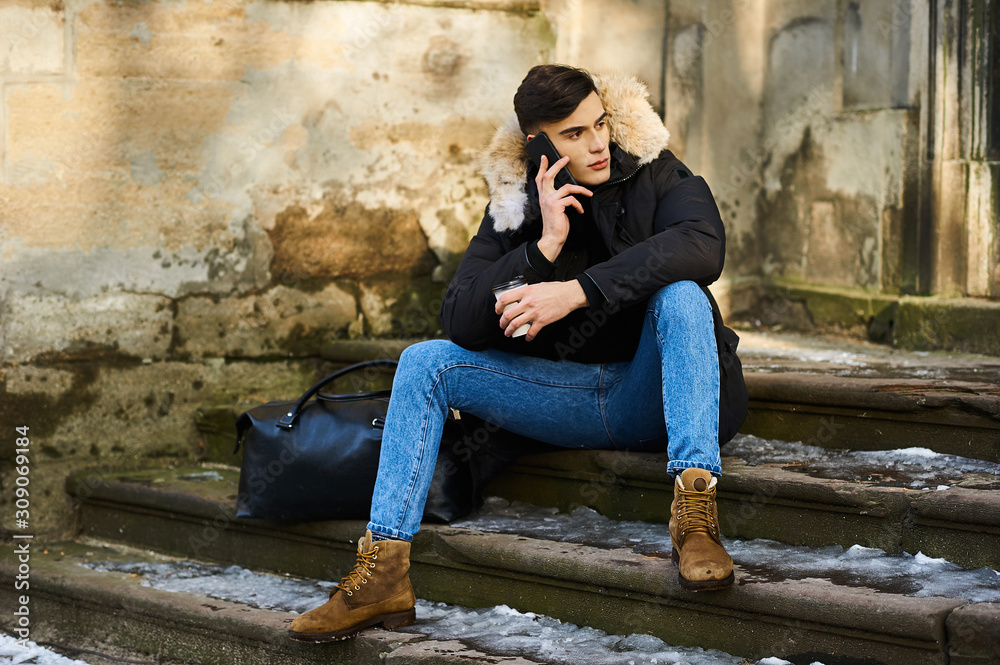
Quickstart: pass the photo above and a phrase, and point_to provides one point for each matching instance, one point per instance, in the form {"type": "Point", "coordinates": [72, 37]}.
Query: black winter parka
{"type": "Point", "coordinates": [660, 225]}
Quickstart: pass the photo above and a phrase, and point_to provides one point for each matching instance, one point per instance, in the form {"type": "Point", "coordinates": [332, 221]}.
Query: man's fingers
{"type": "Point", "coordinates": [568, 189]}
{"type": "Point", "coordinates": [508, 312]}
{"type": "Point", "coordinates": [546, 174]}
{"type": "Point", "coordinates": [542, 168]}
{"type": "Point", "coordinates": [556, 166]}
{"type": "Point", "coordinates": [570, 201]}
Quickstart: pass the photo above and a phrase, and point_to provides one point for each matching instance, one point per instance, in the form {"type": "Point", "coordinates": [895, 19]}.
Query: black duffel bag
{"type": "Point", "coordinates": [317, 459]}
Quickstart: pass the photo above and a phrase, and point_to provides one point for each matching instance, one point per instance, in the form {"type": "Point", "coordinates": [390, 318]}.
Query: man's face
{"type": "Point", "coordinates": [583, 137]}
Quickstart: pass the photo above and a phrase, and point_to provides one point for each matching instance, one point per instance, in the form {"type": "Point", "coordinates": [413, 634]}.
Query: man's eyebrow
{"type": "Point", "coordinates": [580, 128]}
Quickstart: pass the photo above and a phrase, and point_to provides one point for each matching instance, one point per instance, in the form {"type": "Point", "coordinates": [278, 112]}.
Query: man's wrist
{"type": "Point", "coordinates": [578, 297]}
{"type": "Point", "coordinates": [550, 248]}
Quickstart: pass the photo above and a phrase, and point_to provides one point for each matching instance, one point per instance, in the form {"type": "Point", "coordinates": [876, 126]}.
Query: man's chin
{"type": "Point", "coordinates": [593, 178]}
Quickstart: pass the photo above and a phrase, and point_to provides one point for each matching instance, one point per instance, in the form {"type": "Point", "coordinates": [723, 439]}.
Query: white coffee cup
{"type": "Point", "coordinates": [500, 289]}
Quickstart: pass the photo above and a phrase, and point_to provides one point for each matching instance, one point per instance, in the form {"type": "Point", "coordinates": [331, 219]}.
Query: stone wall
{"type": "Point", "coordinates": [850, 144]}
{"type": "Point", "coordinates": [190, 188]}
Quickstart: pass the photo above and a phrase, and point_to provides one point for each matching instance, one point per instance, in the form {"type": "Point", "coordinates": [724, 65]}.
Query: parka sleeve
{"type": "Point", "coordinates": [468, 313]}
{"type": "Point", "coordinates": [688, 243]}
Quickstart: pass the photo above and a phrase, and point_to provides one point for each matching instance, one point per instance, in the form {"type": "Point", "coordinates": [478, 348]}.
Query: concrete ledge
{"type": "Point", "coordinates": [358, 350]}
{"type": "Point", "coordinates": [909, 322]}
{"type": "Point", "coordinates": [954, 417]}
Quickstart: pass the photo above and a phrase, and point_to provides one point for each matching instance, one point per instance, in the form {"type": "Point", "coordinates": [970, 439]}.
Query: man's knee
{"type": "Point", "coordinates": [678, 297]}
{"type": "Point", "coordinates": [428, 352]}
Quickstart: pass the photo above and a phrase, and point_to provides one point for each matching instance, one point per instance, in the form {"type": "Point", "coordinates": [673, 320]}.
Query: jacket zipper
{"type": "Point", "coordinates": [593, 211]}
{"type": "Point", "coordinates": [620, 180]}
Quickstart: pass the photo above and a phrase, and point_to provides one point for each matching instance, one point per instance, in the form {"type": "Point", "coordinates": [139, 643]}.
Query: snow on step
{"type": "Point", "coordinates": [914, 468]}
{"type": "Point", "coordinates": [498, 630]}
{"type": "Point", "coordinates": [760, 560]}
{"type": "Point", "coordinates": [14, 652]}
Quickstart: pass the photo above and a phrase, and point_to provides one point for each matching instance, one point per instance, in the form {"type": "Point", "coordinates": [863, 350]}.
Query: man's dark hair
{"type": "Point", "coordinates": [550, 93]}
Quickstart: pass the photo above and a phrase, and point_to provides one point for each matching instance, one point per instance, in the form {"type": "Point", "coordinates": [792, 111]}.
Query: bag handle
{"type": "Point", "coordinates": [287, 421]}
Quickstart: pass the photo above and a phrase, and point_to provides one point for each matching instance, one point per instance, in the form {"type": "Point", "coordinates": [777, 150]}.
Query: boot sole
{"type": "Point", "coordinates": [388, 621]}
{"type": "Point", "coordinates": [702, 585]}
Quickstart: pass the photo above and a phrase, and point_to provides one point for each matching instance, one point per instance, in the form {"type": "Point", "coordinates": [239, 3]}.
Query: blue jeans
{"type": "Point", "coordinates": [666, 397]}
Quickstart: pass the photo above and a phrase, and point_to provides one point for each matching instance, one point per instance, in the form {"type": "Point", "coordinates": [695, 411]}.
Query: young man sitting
{"type": "Point", "coordinates": [623, 348]}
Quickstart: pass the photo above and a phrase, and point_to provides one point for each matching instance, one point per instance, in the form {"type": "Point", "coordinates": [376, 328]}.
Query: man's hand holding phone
{"type": "Point", "coordinates": [553, 202]}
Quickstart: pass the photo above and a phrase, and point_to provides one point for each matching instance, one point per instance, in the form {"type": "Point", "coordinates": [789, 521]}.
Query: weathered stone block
{"type": "Point", "coordinates": [842, 309]}
{"type": "Point", "coordinates": [32, 40]}
{"type": "Point", "coordinates": [345, 238]}
{"type": "Point", "coordinates": [226, 265]}
{"type": "Point", "coordinates": [281, 322]}
{"type": "Point", "coordinates": [138, 326]}
{"type": "Point", "coordinates": [962, 325]}
{"type": "Point", "coordinates": [974, 634]}
{"type": "Point", "coordinates": [105, 125]}
{"type": "Point", "coordinates": [402, 308]}
{"type": "Point", "coordinates": [983, 210]}
{"type": "Point", "coordinates": [217, 427]}
{"type": "Point", "coordinates": [868, 70]}
{"type": "Point", "coordinates": [208, 41]}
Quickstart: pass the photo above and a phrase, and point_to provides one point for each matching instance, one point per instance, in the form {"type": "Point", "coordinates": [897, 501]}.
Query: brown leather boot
{"type": "Point", "coordinates": [702, 561]}
{"type": "Point", "coordinates": [376, 591]}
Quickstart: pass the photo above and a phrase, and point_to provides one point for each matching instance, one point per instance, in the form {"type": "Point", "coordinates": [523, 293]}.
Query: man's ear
{"type": "Point", "coordinates": [529, 137]}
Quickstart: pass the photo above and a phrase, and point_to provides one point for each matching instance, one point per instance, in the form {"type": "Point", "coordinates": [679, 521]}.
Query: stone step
{"type": "Point", "coordinates": [616, 589]}
{"type": "Point", "coordinates": [911, 501]}
{"type": "Point", "coordinates": [106, 603]}
{"type": "Point", "coordinates": [117, 613]}
{"type": "Point", "coordinates": [843, 394]}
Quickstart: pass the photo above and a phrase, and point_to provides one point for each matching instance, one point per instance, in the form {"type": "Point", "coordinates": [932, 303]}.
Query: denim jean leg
{"type": "Point", "coordinates": [682, 318]}
{"type": "Point", "coordinates": [674, 374]}
{"type": "Point", "coordinates": [555, 402]}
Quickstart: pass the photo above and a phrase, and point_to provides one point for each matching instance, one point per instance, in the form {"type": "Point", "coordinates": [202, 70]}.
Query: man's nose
{"type": "Point", "coordinates": [598, 144]}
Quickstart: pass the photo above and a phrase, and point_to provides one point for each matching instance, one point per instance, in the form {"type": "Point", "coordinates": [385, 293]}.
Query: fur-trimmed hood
{"type": "Point", "coordinates": [634, 127]}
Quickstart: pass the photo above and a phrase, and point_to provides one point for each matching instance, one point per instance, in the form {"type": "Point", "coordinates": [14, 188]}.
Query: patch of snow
{"type": "Point", "coordinates": [907, 574]}
{"type": "Point", "coordinates": [912, 452]}
{"type": "Point", "coordinates": [919, 468]}
{"type": "Point", "coordinates": [808, 355]}
{"type": "Point", "coordinates": [773, 661]}
{"type": "Point", "coordinates": [232, 583]}
{"type": "Point", "coordinates": [923, 560]}
{"type": "Point", "coordinates": [202, 476]}
{"type": "Point", "coordinates": [506, 631]}
{"type": "Point", "coordinates": [11, 652]}
{"type": "Point", "coordinates": [761, 560]}
{"type": "Point", "coordinates": [862, 552]}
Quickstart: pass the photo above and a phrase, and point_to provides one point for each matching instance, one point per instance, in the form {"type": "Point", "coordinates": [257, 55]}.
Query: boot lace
{"type": "Point", "coordinates": [360, 573]}
{"type": "Point", "coordinates": [695, 513]}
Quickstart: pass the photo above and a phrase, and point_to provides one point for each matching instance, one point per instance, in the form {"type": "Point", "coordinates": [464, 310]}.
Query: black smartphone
{"type": "Point", "coordinates": [542, 145]}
